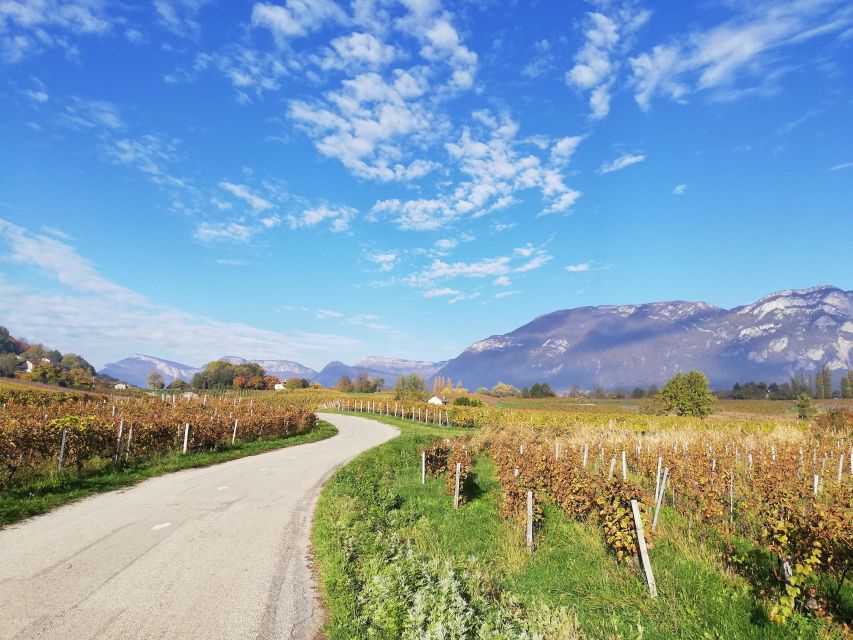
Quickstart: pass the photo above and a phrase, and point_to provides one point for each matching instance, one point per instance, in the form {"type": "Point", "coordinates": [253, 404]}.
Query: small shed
{"type": "Point", "coordinates": [279, 386]}
{"type": "Point", "coordinates": [189, 395]}
{"type": "Point", "coordinates": [120, 387]}
{"type": "Point", "coordinates": [436, 400]}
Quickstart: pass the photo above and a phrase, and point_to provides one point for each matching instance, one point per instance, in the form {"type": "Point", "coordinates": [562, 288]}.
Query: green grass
{"type": "Point", "coordinates": [60, 488]}
{"type": "Point", "coordinates": [374, 515]}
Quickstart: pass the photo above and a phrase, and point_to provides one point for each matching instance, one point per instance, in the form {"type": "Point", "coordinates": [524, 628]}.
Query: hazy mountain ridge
{"type": "Point", "coordinates": [279, 368]}
{"type": "Point", "coordinates": [388, 368]}
{"type": "Point", "coordinates": [780, 334]}
{"type": "Point", "coordinates": [135, 369]}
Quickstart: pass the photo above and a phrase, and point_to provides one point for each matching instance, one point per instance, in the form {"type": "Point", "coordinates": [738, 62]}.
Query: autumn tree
{"type": "Point", "coordinates": [411, 388]}
{"type": "Point", "coordinates": [847, 386]}
{"type": "Point", "coordinates": [155, 380]}
{"type": "Point", "coordinates": [344, 384]}
{"type": "Point", "coordinates": [688, 394]}
{"type": "Point", "coordinates": [8, 364]}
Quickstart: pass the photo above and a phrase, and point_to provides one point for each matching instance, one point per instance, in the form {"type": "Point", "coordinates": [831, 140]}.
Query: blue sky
{"type": "Point", "coordinates": [314, 180]}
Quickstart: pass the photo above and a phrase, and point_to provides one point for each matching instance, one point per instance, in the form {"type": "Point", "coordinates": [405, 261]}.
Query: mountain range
{"type": "Point", "coordinates": [135, 369]}
{"type": "Point", "coordinates": [784, 333]}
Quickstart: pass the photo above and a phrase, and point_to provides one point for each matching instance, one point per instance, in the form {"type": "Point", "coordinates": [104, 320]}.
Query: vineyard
{"type": "Point", "coordinates": [42, 433]}
{"type": "Point", "coordinates": [772, 500]}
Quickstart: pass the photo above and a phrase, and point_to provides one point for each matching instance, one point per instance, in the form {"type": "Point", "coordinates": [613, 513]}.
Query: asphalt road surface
{"type": "Point", "coordinates": [220, 552]}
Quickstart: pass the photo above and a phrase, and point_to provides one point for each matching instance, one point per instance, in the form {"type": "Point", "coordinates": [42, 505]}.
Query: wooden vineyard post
{"type": "Point", "coordinates": [657, 480]}
{"type": "Point", "coordinates": [129, 438]}
{"type": "Point", "coordinates": [118, 440]}
{"type": "Point", "coordinates": [186, 436]}
{"type": "Point", "coordinates": [234, 433]}
{"type": "Point", "coordinates": [62, 449]}
{"type": "Point", "coordinates": [644, 552]}
{"type": "Point", "coordinates": [624, 466]}
{"type": "Point", "coordinates": [456, 491]}
{"type": "Point", "coordinates": [660, 497]}
{"type": "Point", "coordinates": [423, 467]}
{"type": "Point", "coordinates": [529, 531]}
{"type": "Point", "coordinates": [732, 495]}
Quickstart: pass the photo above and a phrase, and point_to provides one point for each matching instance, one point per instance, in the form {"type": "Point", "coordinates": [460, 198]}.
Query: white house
{"type": "Point", "coordinates": [279, 386]}
{"type": "Point", "coordinates": [32, 365]}
{"type": "Point", "coordinates": [120, 387]}
{"type": "Point", "coordinates": [436, 400]}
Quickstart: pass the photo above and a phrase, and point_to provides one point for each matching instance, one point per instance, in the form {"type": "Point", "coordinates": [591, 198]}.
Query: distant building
{"type": "Point", "coordinates": [189, 395]}
{"type": "Point", "coordinates": [436, 400]}
{"type": "Point", "coordinates": [120, 387]}
{"type": "Point", "coordinates": [279, 386]}
{"type": "Point", "coordinates": [32, 365]}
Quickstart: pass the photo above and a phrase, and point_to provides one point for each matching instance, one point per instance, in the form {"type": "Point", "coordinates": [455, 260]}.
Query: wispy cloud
{"type": "Point", "coordinates": [339, 218]}
{"type": "Point", "coordinates": [326, 313]}
{"type": "Point", "coordinates": [440, 292]}
{"type": "Point", "coordinates": [750, 49]}
{"type": "Point", "coordinates": [28, 28]}
{"type": "Point", "coordinates": [386, 260]}
{"type": "Point", "coordinates": [242, 192]}
{"type": "Point", "coordinates": [680, 189]}
{"type": "Point", "coordinates": [843, 165]}
{"type": "Point", "coordinates": [586, 267]}
{"type": "Point", "coordinates": [77, 309]}
{"type": "Point", "coordinates": [210, 232]}
{"type": "Point", "coordinates": [597, 63]}
{"type": "Point", "coordinates": [623, 161]}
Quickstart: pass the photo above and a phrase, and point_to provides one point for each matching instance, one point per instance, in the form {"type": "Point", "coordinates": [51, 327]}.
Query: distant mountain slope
{"type": "Point", "coordinates": [279, 368]}
{"type": "Point", "coordinates": [136, 368]}
{"type": "Point", "coordinates": [780, 334]}
{"type": "Point", "coordinates": [388, 368]}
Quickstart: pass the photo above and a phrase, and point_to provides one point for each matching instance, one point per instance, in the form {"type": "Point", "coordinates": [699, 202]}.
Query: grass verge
{"type": "Point", "coordinates": [397, 561]}
{"type": "Point", "coordinates": [60, 488]}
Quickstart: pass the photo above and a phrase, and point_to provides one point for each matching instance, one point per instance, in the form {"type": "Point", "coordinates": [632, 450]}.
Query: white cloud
{"type": "Point", "coordinates": [296, 18]}
{"type": "Point", "coordinates": [79, 310]}
{"type": "Point", "coordinates": [597, 62]}
{"type": "Point", "coordinates": [210, 232]}
{"type": "Point", "coordinates": [586, 267]}
{"type": "Point", "coordinates": [495, 169]}
{"type": "Point", "coordinates": [385, 259]}
{"type": "Point", "coordinates": [179, 16]}
{"type": "Point", "coordinates": [98, 115]}
{"type": "Point", "coordinates": [339, 218]}
{"type": "Point", "coordinates": [440, 292]}
{"type": "Point", "coordinates": [625, 160]}
{"type": "Point", "coordinates": [462, 296]}
{"type": "Point", "coordinates": [326, 313]}
{"type": "Point", "coordinates": [60, 261]}
{"type": "Point", "coordinates": [36, 95]}
{"type": "Point", "coordinates": [357, 49]}
{"type": "Point", "coordinates": [502, 281]}
{"type": "Point", "coordinates": [504, 294]}
{"type": "Point", "coordinates": [564, 148]}
{"type": "Point", "coordinates": [524, 259]}
{"type": "Point", "coordinates": [28, 27]}
{"type": "Point", "coordinates": [749, 48]}
{"type": "Point", "coordinates": [242, 192]}
{"type": "Point", "coordinates": [680, 189]}
{"type": "Point", "coordinates": [363, 124]}
{"type": "Point", "coordinates": [149, 154]}
{"type": "Point", "coordinates": [843, 165]}
{"type": "Point", "coordinates": [446, 244]}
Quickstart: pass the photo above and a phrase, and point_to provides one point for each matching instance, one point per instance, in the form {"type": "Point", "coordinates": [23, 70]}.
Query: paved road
{"type": "Point", "coordinates": [219, 552]}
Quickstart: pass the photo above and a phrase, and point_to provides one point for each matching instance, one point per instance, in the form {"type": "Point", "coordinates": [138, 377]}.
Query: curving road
{"type": "Point", "coordinates": [219, 552]}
